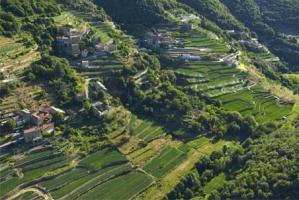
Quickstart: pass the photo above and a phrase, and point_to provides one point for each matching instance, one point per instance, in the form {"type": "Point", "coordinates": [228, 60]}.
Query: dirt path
{"type": "Point", "coordinates": [40, 193]}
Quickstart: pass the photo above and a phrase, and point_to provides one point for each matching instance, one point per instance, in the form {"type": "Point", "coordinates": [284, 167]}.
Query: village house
{"type": "Point", "coordinates": [34, 134]}
{"type": "Point", "coordinates": [36, 122]}
{"type": "Point", "coordinates": [186, 26]}
{"type": "Point", "coordinates": [254, 45]}
{"type": "Point", "coordinates": [40, 117]}
{"type": "Point", "coordinates": [25, 115]}
{"type": "Point", "coordinates": [189, 57]}
{"type": "Point", "coordinates": [231, 59]}
{"type": "Point", "coordinates": [101, 109]}
{"type": "Point", "coordinates": [84, 63]}
{"type": "Point", "coordinates": [158, 40]}
{"type": "Point", "coordinates": [68, 41]}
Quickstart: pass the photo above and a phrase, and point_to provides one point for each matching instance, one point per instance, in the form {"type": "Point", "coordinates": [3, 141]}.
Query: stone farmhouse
{"type": "Point", "coordinates": [36, 122]}
{"type": "Point", "coordinates": [68, 41]}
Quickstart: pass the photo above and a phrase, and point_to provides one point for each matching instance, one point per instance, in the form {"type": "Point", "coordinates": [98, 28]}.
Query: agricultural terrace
{"type": "Point", "coordinates": [166, 161]}
{"type": "Point", "coordinates": [144, 129]}
{"type": "Point", "coordinates": [212, 77]}
{"type": "Point", "coordinates": [24, 96]}
{"type": "Point", "coordinates": [264, 106]}
{"type": "Point", "coordinates": [67, 18]}
{"type": "Point", "coordinates": [183, 157]}
{"type": "Point", "coordinates": [294, 77]}
{"type": "Point", "coordinates": [103, 66]}
{"type": "Point", "coordinates": [71, 178]}
{"type": "Point", "coordinates": [100, 66]}
{"type": "Point", "coordinates": [209, 75]}
{"type": "Point", "coordinates": [31, 168]}
{"type": "Point", "coordinates": [213, 184]}
{"type": "Point", "coordinates": [123, 187]}
{"type": "Point", "coordinates": [132, 133]}
{"type": "Point", "coordinates": [14, 57]}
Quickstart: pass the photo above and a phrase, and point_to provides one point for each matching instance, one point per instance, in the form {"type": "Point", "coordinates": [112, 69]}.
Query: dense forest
{"type": "Point", "coordinates": [263, 19]}
{"type": "Point", "coordinates": [265, 168]}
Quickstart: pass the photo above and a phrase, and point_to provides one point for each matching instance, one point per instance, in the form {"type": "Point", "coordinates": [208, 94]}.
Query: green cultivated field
{"type": "Point", "coordinates": [123, 187]}
{"type": "Point", "coordinates": [77, 182]}
{"type": "Point", "coordinates": [166, 161]}
{"type": "Point", "coordinates": [32, 171]}
{"type": "Point", "coordinates": [215, 183]}
{"type": "Point", "coordinates": [221, 81]}
{"type": "Point", "coordinates": [101, 159]}
{"type": "Point", "coordinates": [103, 66]}
{"type": "Point", "coordinates": [257, 102]}
{"type": "Point", "coordinates": [145, 130]}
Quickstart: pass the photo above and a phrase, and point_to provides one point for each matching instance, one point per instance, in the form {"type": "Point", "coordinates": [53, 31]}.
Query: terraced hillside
{"type": "Point", "coordinates": [150, 99]}
{"type": "Point", "coordinates": [64, 177]}
{"type": "Point", "coordinates": [213, 75]}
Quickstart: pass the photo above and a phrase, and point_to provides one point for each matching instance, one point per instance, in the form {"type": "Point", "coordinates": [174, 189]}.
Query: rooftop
{"type": "Point", "coordinates": [44, 127]}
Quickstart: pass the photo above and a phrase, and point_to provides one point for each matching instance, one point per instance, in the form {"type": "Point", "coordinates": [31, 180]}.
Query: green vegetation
{"type": "Point", "coordinates": [59, 76]}
{"type": "Point", "coordinates": [124, 187]}
{"type": "Point", "coordinates": [214, 184]}
{"type": "Point", "coordinates": [32, 170]}
{"type": "Point", "coordinates": [257, 102]}
{"type": "Point", "coordinates": [102, 159]}
{"type": "Point", "coordinates": [195, 115]}
{"type": "Point", "coordinates": [164, 162]}
{"type": "Point", "coordinates": [215, 11]}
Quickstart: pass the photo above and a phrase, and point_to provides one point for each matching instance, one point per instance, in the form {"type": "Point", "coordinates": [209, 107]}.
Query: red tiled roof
{"type": "Point", "coordinates": [44, 127]}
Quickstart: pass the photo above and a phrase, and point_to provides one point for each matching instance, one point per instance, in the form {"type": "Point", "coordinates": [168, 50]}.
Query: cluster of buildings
{"type": "Point", "coordinates": [231, 59]}
{"type": "Point", "coordinates": [249, 43]}
{"type": "Point", "coordinates": [100, 107]}
{"type": "Point", "coordinates": [189, 57]}
{"type": "Point", "coordinates": [100, 50]}
{"type": "Point", "coordinates": [34, 123]}
{"type": "Point", "coordinates": [68, 43]}
{"type": "Point", "coordinates": [158, 40]}
{"type": "Point", "coordinates": [254, 45]}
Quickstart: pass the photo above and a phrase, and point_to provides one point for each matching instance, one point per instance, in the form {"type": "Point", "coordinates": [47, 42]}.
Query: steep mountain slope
{"type": "Point", "coordinates": [282, 15]}
{"type": "Point", "coordinates": [215, 11]}
{"type": "Point", "coordinates": [146, 12]}
{"type": "Point", "coordinates": [149, 99]}
{"type": "Point", "coordinates": [268, 20]}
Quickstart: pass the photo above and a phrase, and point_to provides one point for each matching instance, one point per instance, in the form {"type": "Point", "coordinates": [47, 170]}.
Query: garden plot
{"type": "Point", "coordinates": [166, 161]}
{"type": "Point", "coordinates": [9, 48]}
{"type": "Point", "coordinates": [293, 77]}
{"type": "Point", "coordinates": [210, 78]}
{"type": "Point", "coordinates": [24, 96]}
{"type": "Point", "coordinates": [257, 102]}
{"type": "Point", "coordinates": [89, 172]}
{"type": "Point", "coordinates": [143, 155]}
{"type": "Point", "coordinates": [135, 134]}
{"type": "Point", "coordinates": [75, 183]}
{"type": "Point", "coordinates": [145, 130]}
{"type": "Point", "coordinates": [102, 29]}
{"type": "Point", "coordinates": [123, 187]}
{"type": "Point", "coordinates": [102, 159]}
{"type": "Point", "coordinates": [101, 66]}
{"type": "Point", "coordinates": [67, 18]}
{"type": "Point", "coordinates": [201, 42]}
{"type": "Point", "coordinates": [214, 184]}
{"type": "Point", "coordinates": [14, 57]}
{"type": "Point", "coordinates": [30, 171]}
